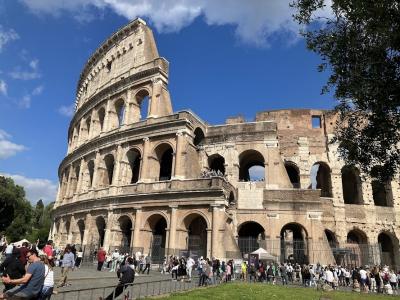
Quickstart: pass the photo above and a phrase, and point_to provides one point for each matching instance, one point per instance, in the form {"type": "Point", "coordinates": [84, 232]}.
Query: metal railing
{"type": "Point", "coordinates": [132, 291]}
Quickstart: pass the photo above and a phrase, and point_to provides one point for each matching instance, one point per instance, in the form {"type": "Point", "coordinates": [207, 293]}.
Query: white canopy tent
{"type": "Point", "coordinates": [264, 255]}
{"type": "Point", "coordinates": [19, 243]}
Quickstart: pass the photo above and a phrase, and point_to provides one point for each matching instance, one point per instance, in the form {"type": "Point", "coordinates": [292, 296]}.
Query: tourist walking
{"type": "Point", "coordinates": [147, 261]}
{"type": "Point", "coordinates": [115, 258]}
{"type": "Point", "coordinates": [189, 268]}
{"type": "Point", "coordinates": [68, 262]}
{"type": "Point", "coordinates": [101, 257]}
{"type": "Point", "coordinates": [79, 256]}
{"type": "Point", "coordinates": [48, 285]}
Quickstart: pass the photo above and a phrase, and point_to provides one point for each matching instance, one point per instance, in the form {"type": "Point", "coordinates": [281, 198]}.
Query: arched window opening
{"type": "Point", "coordinates": [293, 173]}
{"type": "Point", "coordinates": [142, 100]}
{"type": "Point", "coordinates": [164, 154]}
{"type": "Point", "coordinates": [77, 172]}
{"type": "Point", "coordinates": [125, 225]}
{"type": "Point", "coordinates": [382, 193]}
{"type": "Point", "coordinates": [251, 166]}
{"type": "Point", "coordinates": [330, 236]}
{"type": "Point", "coordinates": [358, 248]}
{"type": "Point", "coordinates": [67, 227]}
{"type": "Point", "coordinates": [101, 115]}
{"type": "Point", "coordinates": [231, 198]}
{"type": "Point", "coordinates": [294, 247]}
{"type": "Point", "coordinates": [134, 164]}
{"type": "Point", "coordinates": [198, 137]}
{"type": "Point", "coordinates": [88, 123]}
{"type": "Point", "coordinates": [81, 228]}
{"type": "Point", "coordinates": [158, 226]}
{"type": "Point", "coordinates": [90, 166]}
{"type": "Point", "coordinates": [251, 236]}
{"type": "Point", "coordinates": [321, 178]}
{"type": "Point", "coordinates": [386, 246]}
{"type": "Point", "coordinates": [196, 228]}
{"type": "Point", "coordinates": [216, 163]}
{"type": "Point", "coordinates": [76, 135]}
{"type": "Point", "coordinates": [351, 182]}
{"type": "Point", "coordinates": [101, 229]}
{"type": "Point", "coordinates": [109, 162]}
{"type": "Point", "coordinates": [120, 111]}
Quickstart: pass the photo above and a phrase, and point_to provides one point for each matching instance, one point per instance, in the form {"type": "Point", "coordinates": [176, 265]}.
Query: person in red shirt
{"type": "Point", "coordinates": [101, 257]}
{"type": "Point", "coordinates": [48, 250]}
{"type": "Point", "coordinates": [22, 253]}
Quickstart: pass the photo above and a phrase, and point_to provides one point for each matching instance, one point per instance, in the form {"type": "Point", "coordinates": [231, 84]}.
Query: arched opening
{"type": "Point", "coordinates": [294, 246]}
{"type": "Point", "coordinates": [109, 163]}
{"type": "Point", "coordinates": [142, 100]}
{"type": "Point", "coordinates": [321, 178]}
{"type": "Point", "coordinates": [76, 134]}
{"type": "Point", "coordinates": [198, 137]}
{"type": "Point", "coordinates": [88, 122]}
{"type": "Point", "coordinates": [231, 198]}
{"type": "Point", "coordinates": [125, 225]}
{"type": "Point", "coordinates": [81, 228]}
{"type": "Point", "coordinates": [119, 107]}
{"type": "Point", "coordinates": [164, 154]}
{"type": "Point", "coordinates": [76, 179]}
{"type": "Point", "coordinates": [158, 225]}
{"type": "Point", "coordinates": [351, 182]}
{"type": "Point", "coordinates": [357, 245]}
{"type": "Point", "coordinates": [134, 159]}
{"type": "Point", "coordinates": [252, 166]}
{"type": "Point", "coordinates": [251, 236]}
{"type": "Point", "coordinates": [67, 228]}
{"type": "Point", "coordinates": [293, 173]}
{"type": "Point", "coordinates": [101, 115]}
{"type": "Point", "coordinates": [64, 192]}
{"type": "Point", "coordinates": [101, 230]}
{"type": "Point", "coordinates": [196, 241]}
{"type": "Point", "coordinates": [386, 246]}
{"type": "Point", "coordinates": [330, 236]}
{"type": "Point", "coordinates": [90, 167]}
{"type": "Point", "coordinates": [216, 163]}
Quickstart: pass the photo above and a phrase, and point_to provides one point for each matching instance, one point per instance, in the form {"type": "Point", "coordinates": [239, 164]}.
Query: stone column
{"type": "Point", "coordinates": [107, 234]}
{"type": "Point", "coordinates": [144, 173]}
{"type": "Point", "coordinates": [214, 235]}
{"type": "Point", "coordinates": [117, 176]}
{"type": "Point", "coordinates": [106, 125]}
{"type": "Point", "coordinates": [67, 191]}
{"type": "Point", "coordinates": [155, 95]}
{"type": "Point", "coordinates": [70, 231]}
{"type": "Point", "coordinates": [172, 227]}
{"type": "Point", "coordinates": [96, 170]}
{"type": "Point", "coordinates": [179, 172]}
{"type": "Point", "coordinates": [81, 175]}
{"type": "Point", "coordinates": [88, 228]}
{"type": "Point", "coordinates": [136, 228]}
{"type": "Point", "coordinates": [209, 231]}
{"type": "Point", "coordinates": [81, 129]}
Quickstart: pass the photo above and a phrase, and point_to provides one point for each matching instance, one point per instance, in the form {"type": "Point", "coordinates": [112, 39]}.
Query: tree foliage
{"type": "Point", "coordinates": [359, 43]}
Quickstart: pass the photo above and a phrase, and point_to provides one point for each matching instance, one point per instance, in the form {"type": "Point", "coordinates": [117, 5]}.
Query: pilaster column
{"type": "Point", "coordinates": [116, 180]}
{"type": "Point", "coordinates": [88, 228]}
{"type": "Point", "coordinates": [81, 175]}
{"type": "Point", "coordinates": [70, 231]}
{"type": "Point", "coordinates": [179, 172]}
{"type": "Point", "coordinates": [136, 228]}
{"type": "Point", "coordinates": [67, 191]}
{"type": "Point", "coordinates": [96, 170]}
{"type": "Point", "coordinates": [144, 172]}
{"type": "Point", "coordinates": [155, 96]}
{"type": "Point", "coordinates": [92, 124]}
{"type": "Point", "coordinates": [209, 231]}
{"type": "Point", "coordinates": [80, 133]}
{"type": "Point", "coordinates": [172, 227]}
{"type": "Point", "coordinates": [107, 234]}
{"type": "Point", "coordinates": [215, 227]}
{"type": "Point", "coordinates": [106, 125]}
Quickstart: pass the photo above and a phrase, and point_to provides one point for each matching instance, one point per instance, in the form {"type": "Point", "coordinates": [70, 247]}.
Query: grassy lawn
{"type": "Point", "coordinates": [263, 291]}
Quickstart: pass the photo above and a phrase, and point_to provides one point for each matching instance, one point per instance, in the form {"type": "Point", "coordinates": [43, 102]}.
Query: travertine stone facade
{"type": "Point", "coordinates": [139, 176]}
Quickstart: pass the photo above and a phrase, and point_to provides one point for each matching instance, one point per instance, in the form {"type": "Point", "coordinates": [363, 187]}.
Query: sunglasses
{"type": "Point", "coordinates": [28, 256]}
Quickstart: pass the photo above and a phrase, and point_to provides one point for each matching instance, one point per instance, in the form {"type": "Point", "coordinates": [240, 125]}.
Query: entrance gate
{"type": "Point", "coordinates": [157, 251]}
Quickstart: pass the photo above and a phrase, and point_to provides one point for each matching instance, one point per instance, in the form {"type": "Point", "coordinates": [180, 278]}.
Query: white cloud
{"type": "Point", "coordinates": [8, 148]}
{"type": "Point", "coordinates": [7, 36]}
{"type": "Point", "coordinates": [256, 21]}
{"type": "Point", "coordinates": [26, 100]}
{"type": "Point", "coordinates": [36, 188]}
{"type": "Point", "coordinates": [3, 87]}
{"type": "Point", "coordinates": [67, 111]}
{"type": "Point", "coordinates": [37, 90]}
{"type": "Point", "coordinates": [32, 73]}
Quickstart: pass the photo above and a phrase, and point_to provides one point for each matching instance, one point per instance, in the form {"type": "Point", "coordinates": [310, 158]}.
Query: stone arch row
{"type": "Point", "coordinates": [109, 116]}
{"type": "Point", "coordinates": [320, 174]}
{"type": "Point", "coordinates": [103, 170]}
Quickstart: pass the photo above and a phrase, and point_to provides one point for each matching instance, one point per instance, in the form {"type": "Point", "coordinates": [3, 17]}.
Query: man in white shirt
{"type": "Point", "coordinates": [189, 267]}
{"type": "Point", "coordinates": [115, 258]}
{"type": "Point", "coordinates": [363, 278]}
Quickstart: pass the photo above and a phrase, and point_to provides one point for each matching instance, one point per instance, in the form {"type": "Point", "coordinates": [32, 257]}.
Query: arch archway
{"type": "Point", "coordinates": [198, 137]}
{"type": "Point", "coordinates": [90, 166]}
{"type": "Point", "coordinates": [216, 163]}
{"type": "Point", "coordinates": [134, 159]}
{"type": "Point", "coordinates": [101, 230]}
{"type": "Point", "coordinates": [164, 154]}
{"type": "Point", "coordinates": [252, 166]}
{"type": "Point", "coordinates": [293, 173]}
{"type": "Point", "coordinates": [81, 229]}
{"type": "Point", "coordinates": [321, 178]}
{"type": "Point", "coordinates": [387, 249]}
{"type": "Point", "coordinates": [109, 164]}
{"type": "Point", "coordinates": [143, 108]}
{"type": "Point", "coordinates": [125, 225]}
{"type": "Point", "coordinates": [251, 236]}
{"type": "Point", "coordinates": [351, 182]}
{"type": "Point", "coordinates": [157, 224]}
{"type": "Point", "coordinates": [294, 243]}
{"type": "Point", "coordinates": [101, 114]}
{"type": "Point", "coordinates": [119, 110]}
{"type": "Point", "coordinates": [357, 244]}
{"type": "Point", "coordinates": [196, 241]}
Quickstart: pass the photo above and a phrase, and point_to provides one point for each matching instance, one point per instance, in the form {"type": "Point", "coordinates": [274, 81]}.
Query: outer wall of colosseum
{"type": "Point", "coordinates": [141, 177]}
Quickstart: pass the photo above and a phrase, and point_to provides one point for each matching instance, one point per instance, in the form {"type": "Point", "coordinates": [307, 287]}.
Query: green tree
{"type": "Point", "coordinates": [41, 228]}
{"type": "Point", "coordinates": [15, 210]}
{"type": "Point", "coordinates": [359, 43]}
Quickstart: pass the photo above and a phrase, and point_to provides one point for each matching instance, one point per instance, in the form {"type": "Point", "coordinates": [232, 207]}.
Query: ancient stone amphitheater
{"type": "Point", "coordinates": [140, 177]}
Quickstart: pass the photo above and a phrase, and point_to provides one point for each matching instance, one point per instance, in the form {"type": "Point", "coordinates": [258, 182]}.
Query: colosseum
{"type": "Point", "coordinates": [140, 177]}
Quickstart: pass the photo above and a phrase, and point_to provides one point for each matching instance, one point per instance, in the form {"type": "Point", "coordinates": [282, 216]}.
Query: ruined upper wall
{"type": "Point", "coordinates": [130, 50]}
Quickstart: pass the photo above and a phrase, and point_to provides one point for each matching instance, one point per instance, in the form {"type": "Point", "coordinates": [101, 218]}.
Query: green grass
{"type": "Point", "coordinates": [264, 291]}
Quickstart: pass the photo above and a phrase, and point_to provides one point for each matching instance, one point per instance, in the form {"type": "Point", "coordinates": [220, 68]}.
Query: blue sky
{"type": "Point", "coordinates": [226, 58]}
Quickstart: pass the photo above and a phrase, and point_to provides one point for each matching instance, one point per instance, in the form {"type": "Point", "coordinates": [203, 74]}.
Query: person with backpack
{"type": "Point", "coordinates": [12, 267]}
